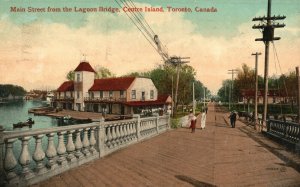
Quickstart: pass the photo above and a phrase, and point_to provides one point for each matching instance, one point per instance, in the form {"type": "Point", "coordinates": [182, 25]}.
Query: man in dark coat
{"type": "Point", "coordinates": [232, 118]}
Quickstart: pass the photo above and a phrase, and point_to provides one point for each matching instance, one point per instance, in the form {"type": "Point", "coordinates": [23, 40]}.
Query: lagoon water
{"type": "Point", "coordinates": [17, 111]}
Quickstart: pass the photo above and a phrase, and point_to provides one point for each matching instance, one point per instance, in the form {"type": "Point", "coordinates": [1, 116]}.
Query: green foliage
{"type": "Point", "coordinates": [245, 80]}
{"type": "Point", "coordinates": [162, 78]}
{"type": "Point", "coordinates": [174, 123]}
{"type": "Point", "coordinates": [102, 72]}
{"type": "Point", "coordinates": [7, 89]}
{"type": "Point", "coordinates": [71, 75]}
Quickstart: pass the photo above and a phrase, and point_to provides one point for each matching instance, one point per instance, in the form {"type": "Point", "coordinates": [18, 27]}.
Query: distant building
{"type": "Point", "coordinates": [274, 96]}
{"type": "Point", "coordinates": [122, 95]}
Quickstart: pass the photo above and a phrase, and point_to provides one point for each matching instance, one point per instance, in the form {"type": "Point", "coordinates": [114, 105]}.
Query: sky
{"type": "Point", "coordinates": [38, 49]}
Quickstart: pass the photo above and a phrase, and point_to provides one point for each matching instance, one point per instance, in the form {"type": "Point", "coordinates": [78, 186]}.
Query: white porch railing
{"type": "Point", "coordinates": [31, 156]}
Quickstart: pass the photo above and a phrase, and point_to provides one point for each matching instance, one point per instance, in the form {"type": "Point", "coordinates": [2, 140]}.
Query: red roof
{"type": "Point", "coordinates": [161, 100]}
{"type": "Point", "coordinates": [112, 84]}
{"type": "Point", "coordinates": [84, 66]}
{"type": "Point", "coordinates": [66, 86]}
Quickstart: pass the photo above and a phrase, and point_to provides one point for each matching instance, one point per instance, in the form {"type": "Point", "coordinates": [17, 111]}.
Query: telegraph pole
{"type": "Point", "coordinates": [298, 94]}
{"type": "Point", "coordinates": [194, 98]}
{"type": "Point", "coordinates": [256, 89]}
{"type": "Point", "coordinates": [268, 36]}
{"type": "Point", "coordinates": [232, 72]}
{"type": "Point", "coordinates": [177, 62]}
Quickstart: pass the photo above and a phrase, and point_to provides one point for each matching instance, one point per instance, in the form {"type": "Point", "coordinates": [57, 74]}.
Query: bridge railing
{"type": "Point", "coordinates": [30, 156]}
{"type": "Point", "coordinates": [287, 131]}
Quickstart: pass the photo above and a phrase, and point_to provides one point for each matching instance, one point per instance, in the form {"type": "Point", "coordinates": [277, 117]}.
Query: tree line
{"type": "Point", "coordinates": [7, 89]}
{"type": "Point", "coordinates": [286, 84]}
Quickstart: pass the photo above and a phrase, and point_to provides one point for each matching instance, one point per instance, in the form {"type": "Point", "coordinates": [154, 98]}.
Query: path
{"type": "Point", "coordinates": [216, 156]}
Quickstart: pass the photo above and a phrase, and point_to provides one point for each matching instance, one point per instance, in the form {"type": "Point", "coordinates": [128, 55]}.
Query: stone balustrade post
{"type": "Point", "coordinates": [10, 162]}
{"type": "Point", "coordinates": [157, 123]}
{"type": "Point", "coordinates": [39, 155]}
{"type": "Point", "coordinates": [138, 126]}
{"type": "Point", "coordinates": [92, 141]}
{"type": "Point", "coordinates": [51, 152]}
{"type": "Point", "coordinates": [70, 147]}
{"type": "Point", "coordinates": [78, 145]}
{"type": "Point", "coordinates": [86, 143]}
{"type": "Point", "coordinates": [61, 149]}
{"type": "Point", "coordinates": [101, 138]}
{"type": "Point", "coordinates": [113, 135]}
{"type": "Point", "coordinates": [25, 158]}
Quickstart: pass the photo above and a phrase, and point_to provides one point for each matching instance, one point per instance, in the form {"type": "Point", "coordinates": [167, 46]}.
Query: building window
{"type": "Point", "coordinates": [101, 94]}
{"type": "Point", "coordinates": [78, 77]}
{"type": "Point", "coordinates": [151, 94]}
{"type": "Point", "coordinates": [92, 94]}
{"type": "Point", "coordinates": [78, 96]}
{"type": "Point", "coordinates": [133, 94]}
{"type": "Point", "coordinates": [110, 93]}
{"type": "Point", "coordinates": [122, 94]}
{"type": "Point", "coordinates": [71, 94]}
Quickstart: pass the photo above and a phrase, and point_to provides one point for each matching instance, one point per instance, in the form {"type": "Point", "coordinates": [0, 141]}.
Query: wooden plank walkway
{"type": "Point", "coordinates": [216, 156]}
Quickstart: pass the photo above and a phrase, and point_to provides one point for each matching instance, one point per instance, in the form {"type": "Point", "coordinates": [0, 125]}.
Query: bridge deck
{"type": "Point", "coordinates": [216, 156]}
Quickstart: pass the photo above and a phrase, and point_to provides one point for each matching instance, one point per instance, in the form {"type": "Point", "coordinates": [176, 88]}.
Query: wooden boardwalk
{"type": "Point", "coordinates": [216, 156]}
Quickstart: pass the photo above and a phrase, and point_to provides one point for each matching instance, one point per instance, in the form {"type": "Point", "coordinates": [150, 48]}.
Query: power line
{"type": "Point", "coordinates": [137, 19]}
{"type": "Point", "coordinates": [137, 27]}
{"type": "Point", "coordinates": [141, 16]}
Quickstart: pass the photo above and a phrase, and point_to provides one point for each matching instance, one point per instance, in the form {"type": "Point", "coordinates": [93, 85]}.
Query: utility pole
{"type": "Point", "coordinates": [194, 98]}
{"type": "Point", "coordinates": [204, 96]}
{"type": "Point", "coordinates": [268, 36]}
{"type": "Point", "coordinates": [298, 94]}
{"type": "Point", "coordinates": [177, 62]}
{"type": "Point", "coordinates": [256, 90]}
{"type": "Point", "coordinates": [232, 72]}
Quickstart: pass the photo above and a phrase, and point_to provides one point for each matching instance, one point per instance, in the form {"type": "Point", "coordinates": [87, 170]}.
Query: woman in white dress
{"type": "Point", "coordinates": [203, 119]}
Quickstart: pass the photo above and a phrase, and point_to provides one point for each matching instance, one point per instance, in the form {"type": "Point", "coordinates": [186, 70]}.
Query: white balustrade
{"type": "Point", "coordinates": [97, 140]}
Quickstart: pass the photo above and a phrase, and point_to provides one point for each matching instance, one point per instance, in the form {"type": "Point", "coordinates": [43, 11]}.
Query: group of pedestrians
{"type": "Point", "coordinates": [193, 120]}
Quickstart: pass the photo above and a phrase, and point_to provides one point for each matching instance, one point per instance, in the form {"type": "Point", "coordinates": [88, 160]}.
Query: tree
{"type": "Point", "coordinates": [162, 79]}
{"type": "Point", "coordinates": [102, 72]}
{"type": "Point", "coordinates": [7, 89]}
{"type": "Point", "coordinates": [71, 75]}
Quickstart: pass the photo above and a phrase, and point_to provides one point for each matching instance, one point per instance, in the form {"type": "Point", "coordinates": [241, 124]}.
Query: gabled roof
{"type": "Point", "coordinates": [66, 86]}
{"type": "Point", "coordinates": [112, 84]}
{"type": "Point", "coordinates": [84, 66]}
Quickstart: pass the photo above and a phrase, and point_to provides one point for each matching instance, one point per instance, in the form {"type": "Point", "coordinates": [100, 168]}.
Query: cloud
{"type": "Point", "coordinates": [39, 54]}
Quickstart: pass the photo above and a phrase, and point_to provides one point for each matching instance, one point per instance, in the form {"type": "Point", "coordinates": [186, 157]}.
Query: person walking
{"type": "Point", "coordinates": [193, 124]}
{"type": "Point", "coordinates": [232, 118]}
{"type": "Point", "coordinates": [203, 119]}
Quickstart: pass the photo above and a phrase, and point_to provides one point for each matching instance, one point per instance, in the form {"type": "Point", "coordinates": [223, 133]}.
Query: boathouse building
{"type": "Point", "coordinates": [121, 95]}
